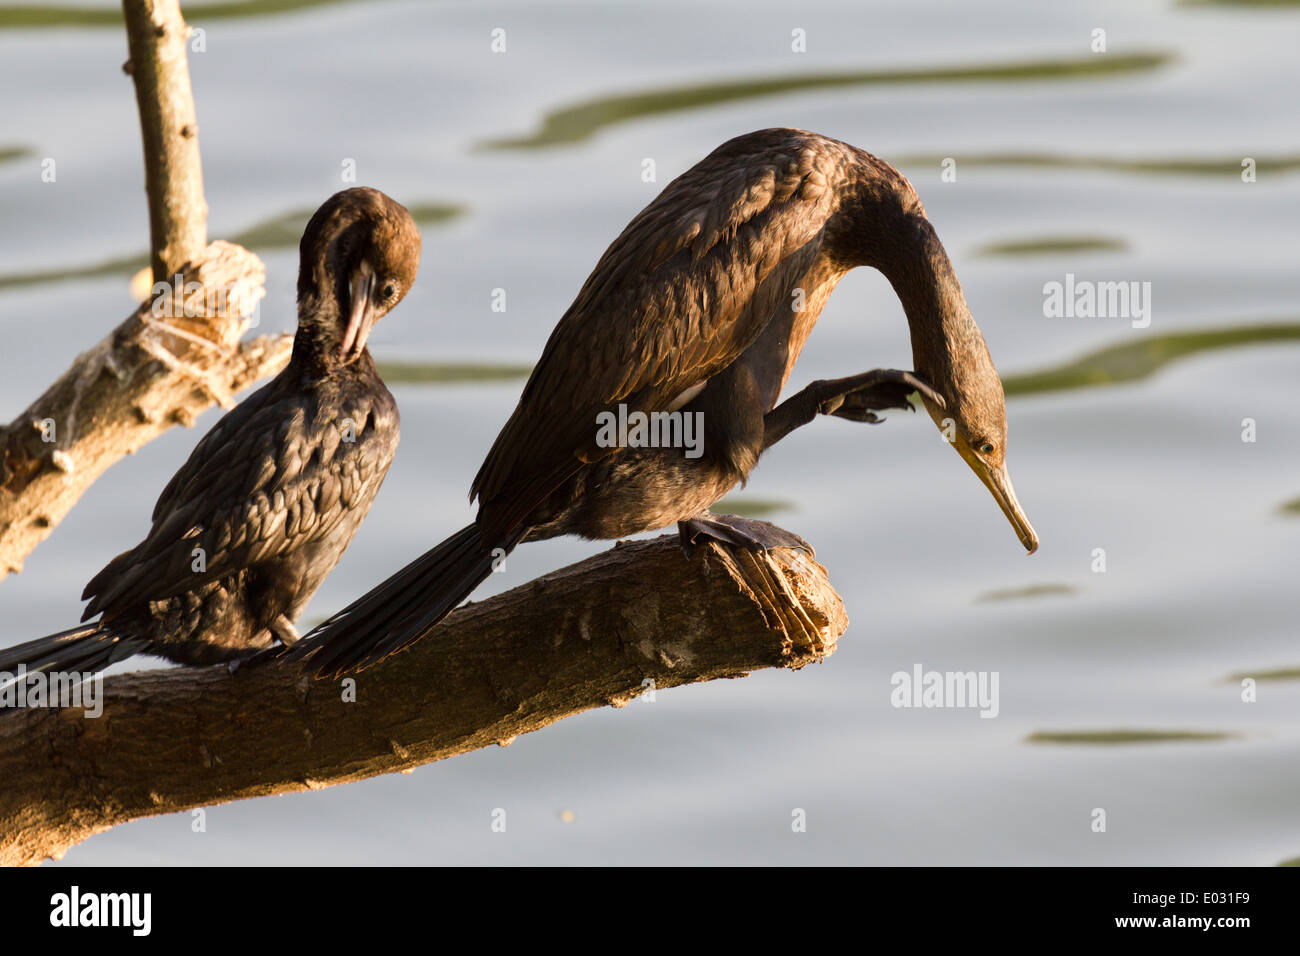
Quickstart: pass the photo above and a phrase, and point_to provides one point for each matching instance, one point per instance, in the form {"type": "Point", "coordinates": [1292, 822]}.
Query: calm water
{"type": "Point", "coordinates": [1122, 166]}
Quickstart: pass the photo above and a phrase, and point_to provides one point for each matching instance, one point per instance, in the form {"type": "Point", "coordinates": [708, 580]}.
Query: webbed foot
{"type": "Point", "coordinates": [738, 532]}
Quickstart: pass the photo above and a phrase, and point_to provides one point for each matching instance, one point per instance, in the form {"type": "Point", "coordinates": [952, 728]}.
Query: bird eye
{"type": "Point", "coordinates": [986, 448]}
{"type": "Point", "coordinates": [389, 290]}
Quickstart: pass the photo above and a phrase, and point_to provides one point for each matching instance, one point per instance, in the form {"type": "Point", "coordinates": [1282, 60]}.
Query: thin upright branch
{"type": "Point", "coordinates": [156, 38]}
{"type": "Point", "coordinates": [178, 353]}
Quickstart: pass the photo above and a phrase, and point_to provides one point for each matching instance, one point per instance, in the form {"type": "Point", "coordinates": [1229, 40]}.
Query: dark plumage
{"type": "Point", "coordinates": [272, 495]}
{"type": "Point", "coordinates": [703, 305]}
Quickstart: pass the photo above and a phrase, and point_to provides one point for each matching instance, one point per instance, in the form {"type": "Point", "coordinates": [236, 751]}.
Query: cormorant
{"type": "Point", "coordinates": [702, 305]}
{"type": "Point", "coordinates": [270, 498]}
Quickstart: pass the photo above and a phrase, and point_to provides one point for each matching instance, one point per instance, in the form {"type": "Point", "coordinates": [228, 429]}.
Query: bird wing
{"type": "Point", "coordinates": [275, 473]}
{"type": "Point", "coordinates": [676, 298]}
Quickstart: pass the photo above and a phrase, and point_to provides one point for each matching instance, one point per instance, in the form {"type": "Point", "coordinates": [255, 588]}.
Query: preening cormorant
{"type": "Point", "coordinates": [270, 498]}
{"type": "Point", "coordinates": [702, 306]}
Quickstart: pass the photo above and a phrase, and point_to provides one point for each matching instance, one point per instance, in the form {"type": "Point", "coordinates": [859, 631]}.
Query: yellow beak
{"type": "Point", "coordinates": [997, 481]}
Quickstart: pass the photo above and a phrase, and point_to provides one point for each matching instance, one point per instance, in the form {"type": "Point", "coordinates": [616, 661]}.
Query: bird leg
{"type": "Point", "coordinates": [856, 398]}
{"type": "Point", "coordinates": [246, 662]}
{"type": "Point", "coordinates": [283, 628]}
{"type": "Point", "coordinates": [738, 532]}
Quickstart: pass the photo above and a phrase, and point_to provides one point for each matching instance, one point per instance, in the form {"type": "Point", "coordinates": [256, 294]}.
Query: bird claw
{"type": "Point", "coordinates": [867, 414]}
{"type": "Point", "coordinates": [250, 661]}
{"type": "Point", "coordinates": [737, 532]}
{"type": "Point", "coordinates": [859, 397]}
{"type": "Point", "coordinates": [829, 406]}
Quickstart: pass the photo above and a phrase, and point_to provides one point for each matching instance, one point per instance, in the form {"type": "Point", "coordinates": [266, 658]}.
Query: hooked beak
{"type": "Point", "coordinates": [997, 481]}
{"type": "Point", "coordinates": [361, 315]}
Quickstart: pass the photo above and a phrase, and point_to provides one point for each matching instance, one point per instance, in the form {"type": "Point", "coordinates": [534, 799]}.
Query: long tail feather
{"type": "Point", "coordinates": [397, 613]}
{"type": "Point", "coordinates": [84, 649]}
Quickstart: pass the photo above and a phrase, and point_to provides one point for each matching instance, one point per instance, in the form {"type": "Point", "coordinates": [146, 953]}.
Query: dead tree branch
{"type": "Point", "coordinates": [156, 36]}
{"type": "Point", "coordinates": [178, 354]}
{"type": "Point", "coordinates": [637, 617]}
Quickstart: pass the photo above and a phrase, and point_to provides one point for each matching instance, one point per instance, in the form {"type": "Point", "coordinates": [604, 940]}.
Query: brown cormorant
{"type": "Point", "coordinates": [702, 305]}
{"type": "Point", "coordinates": [270, 498]}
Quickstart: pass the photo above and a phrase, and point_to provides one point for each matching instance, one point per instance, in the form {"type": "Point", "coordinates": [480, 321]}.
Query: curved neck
{"type": "Point", "coordinates": [884, 226]}
{"type": "Point", "coordinates": [945, 337]}
{"type": "Point", "coordinates": [319, 338]}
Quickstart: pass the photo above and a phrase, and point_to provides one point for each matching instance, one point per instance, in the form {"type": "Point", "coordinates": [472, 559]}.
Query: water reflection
{"type": "Point", "coordinates": [1228, 167]}
{"type": "Point", "coordinates": [573, 124]}
{"type": "Point", "coordinates": [1117, 364]}
{"type": "Point", "coordinates": [1136, 360]}
{"type": "Point", "coordinates": [1052, 246]}
{"type": "Point", "coordinates": [29, 16]}
{"type": "Point", "coordinates": [1029, 591]}
{"type": "Point", "coordinates": [1121, 737]}
{"type": "Point", "coordinates": [280, 232]}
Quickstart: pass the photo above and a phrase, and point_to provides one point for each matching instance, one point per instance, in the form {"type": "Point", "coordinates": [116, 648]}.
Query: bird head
{"type": "Point", "coordinates": [358, 258]}
{"type": "Point", "coordinates": [948, 349]}
{"type": "Point", "coordinates": [973, 419]}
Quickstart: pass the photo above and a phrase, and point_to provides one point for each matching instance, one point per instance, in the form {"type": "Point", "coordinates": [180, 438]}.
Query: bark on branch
{"type": "Point", "coordinates": [597, 633]}
{"type": "Point", "coordinates": [156, 36]}
{"type": "Point", "coordinates": [147, 375]}
{"type": "Point", "coordinates": [154, 370]}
